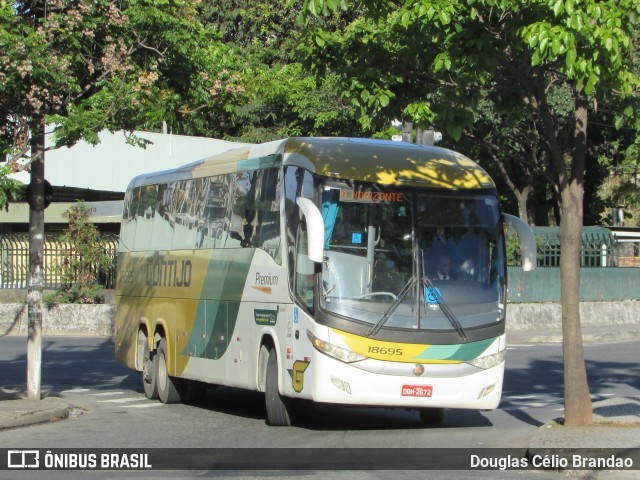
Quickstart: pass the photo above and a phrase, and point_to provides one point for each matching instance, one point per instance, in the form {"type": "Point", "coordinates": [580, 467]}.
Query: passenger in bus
{"type": "Point", "coordinates": [443, 271]}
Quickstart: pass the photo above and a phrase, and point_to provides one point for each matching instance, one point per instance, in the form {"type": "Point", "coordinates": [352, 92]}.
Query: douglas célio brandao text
{"type": "Point", "coordinates": [550, 461]}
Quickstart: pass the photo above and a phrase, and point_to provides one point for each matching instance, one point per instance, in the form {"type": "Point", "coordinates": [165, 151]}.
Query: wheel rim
{"type": "Point", "coordinates": [162, 373]}
{"type": "Point", "coordinates": [147, 369]}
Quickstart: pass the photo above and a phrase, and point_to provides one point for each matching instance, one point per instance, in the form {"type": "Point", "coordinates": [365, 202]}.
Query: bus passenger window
{"type": "Point", "coordinates": [267, 235]}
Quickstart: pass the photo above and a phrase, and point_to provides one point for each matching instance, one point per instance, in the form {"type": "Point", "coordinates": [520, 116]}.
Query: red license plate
{"type": "Point", "coordinates": [417, 390]}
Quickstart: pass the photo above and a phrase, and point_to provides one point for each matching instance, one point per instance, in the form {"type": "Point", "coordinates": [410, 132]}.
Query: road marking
{"type": "Point", "coordinates": [145, 405]}
{"type": "Point", "coordinates": [513, 403]}
{"type": "Point", "coordinates": [122, 400]}
{"type": "Point", "coordinates": [522, 397]}
{"type": "Point", "coordinates": [127, 400]}
{"type": "Point", "coordinates": [513, 407]}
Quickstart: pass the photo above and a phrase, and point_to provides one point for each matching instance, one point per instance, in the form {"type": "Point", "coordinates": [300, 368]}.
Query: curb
{"type": "Point", "coordinates": [589, 338]}
{"type": "Point", "coordinates": [21, 413]}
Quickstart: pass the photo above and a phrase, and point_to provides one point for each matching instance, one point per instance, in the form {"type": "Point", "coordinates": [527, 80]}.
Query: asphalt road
{"type": "Point", "coordinates": [112, 412]}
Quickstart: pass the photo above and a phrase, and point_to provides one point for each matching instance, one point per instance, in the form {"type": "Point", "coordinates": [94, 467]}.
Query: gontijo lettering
{"type": "Point", "coordinates": [170, 273]}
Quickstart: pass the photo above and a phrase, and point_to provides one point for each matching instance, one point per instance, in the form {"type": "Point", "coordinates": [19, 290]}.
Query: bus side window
{"type": "Point", "coordinates": [162, 229]}
{"type": "Point", "coordinates": [184, 234]}
{"type": "Point", "coordinates": [145, 213]}
{"type": "Point", "coordinates": [242, 220]}
{"type": "Point", "coordinates": [216, 215]}
{"type": "Point", "coordinates": [128, 227]}
{"type": "Point", "coordinates": [267, 235]}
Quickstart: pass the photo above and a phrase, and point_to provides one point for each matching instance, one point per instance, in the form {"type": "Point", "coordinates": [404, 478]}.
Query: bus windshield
{"type": "Point", "coordinates": [410, 259]}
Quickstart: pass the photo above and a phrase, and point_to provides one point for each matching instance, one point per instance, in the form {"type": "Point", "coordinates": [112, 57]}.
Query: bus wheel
{"type": "Point", "coordinates": [149, 373]}
{"type": "Point", "coordinates": [432, 416]}
{"type": "Point", "coordinates": [278, 408]}
{"type": "Point", "coordinates": [169, 390]}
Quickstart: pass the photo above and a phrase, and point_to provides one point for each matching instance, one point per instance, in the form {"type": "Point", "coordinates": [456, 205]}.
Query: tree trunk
{"type": "Point", "coordinates": [577, 398]}
{"type": "Point", "coordinates": [522, 196]}
{"type": "Point", "coordinates": [36, 249]}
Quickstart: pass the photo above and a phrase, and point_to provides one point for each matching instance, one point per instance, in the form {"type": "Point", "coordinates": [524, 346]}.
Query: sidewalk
{"type": "Point", "coordinates": [616, 421]}
{"type": "Point", "coordinates": [18, 411]}
{"type": "Point", "coordinates": [616, 426]}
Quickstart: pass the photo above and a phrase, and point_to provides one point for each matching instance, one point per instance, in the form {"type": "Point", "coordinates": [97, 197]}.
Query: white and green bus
{"type": "Point", "coordinates": [307, 268]}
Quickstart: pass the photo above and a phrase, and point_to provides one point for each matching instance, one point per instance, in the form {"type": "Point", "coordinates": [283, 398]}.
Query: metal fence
{"type": "Point", "coordinates": [14, 260]}
{"type": "Point", "coordinates": [599, 247]}
{"type": "Point", "coordinates": [540, 285]}
{"type": "Point", "coordinates": [596, 284]}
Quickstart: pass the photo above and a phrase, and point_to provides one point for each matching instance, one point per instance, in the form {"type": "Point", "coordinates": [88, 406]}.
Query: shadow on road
{"type": "Point", "coordinates": [543, 378]}
{"type": "Point", "coordinates": [67, 363]}
{"type": "Point", "coordinates": [321, 417]}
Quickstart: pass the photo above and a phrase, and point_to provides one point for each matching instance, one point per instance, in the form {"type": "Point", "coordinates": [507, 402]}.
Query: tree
{"type": "Point", "coordinates": [504, 137]}
{"type": "Point", "coordinates": [88, 65]}
{"type": "Point", "coordinates": [83, 259]}
{"type": "Point", "coordinates": [279, 98]}
{"type": "Point", "coordinates": [429, 60]}
{"type": "Point", "coordinates": [618, 155]}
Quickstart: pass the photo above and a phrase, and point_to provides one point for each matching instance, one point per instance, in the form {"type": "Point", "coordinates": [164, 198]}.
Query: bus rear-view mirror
{"type": "Point", "coordinates": [315, 228]}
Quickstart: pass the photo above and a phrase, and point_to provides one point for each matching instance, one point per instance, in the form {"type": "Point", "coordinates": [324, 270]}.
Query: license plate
{"type": "Point", "coordinates": [417, 390]}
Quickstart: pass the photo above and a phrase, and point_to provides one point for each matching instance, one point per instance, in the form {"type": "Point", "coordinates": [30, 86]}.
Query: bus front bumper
{"type": "Point", "coordinates": [337, 382]}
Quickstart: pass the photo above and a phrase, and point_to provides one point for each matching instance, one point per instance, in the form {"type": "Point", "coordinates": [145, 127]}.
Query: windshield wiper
{"type": "Point", "coordinates": [444, 307]}
{"type": "Point", "coordinates": [392, 308]}
{"type": "Point", "coordinates": [435, 293]}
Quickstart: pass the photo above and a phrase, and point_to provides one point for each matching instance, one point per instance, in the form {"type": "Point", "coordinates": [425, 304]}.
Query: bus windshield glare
{"type": "Point", "coordinates": [412, 259]}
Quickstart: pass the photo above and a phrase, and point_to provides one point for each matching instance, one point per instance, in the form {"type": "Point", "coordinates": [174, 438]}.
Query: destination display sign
{"type": "Point", "coordinates": [368, 196]}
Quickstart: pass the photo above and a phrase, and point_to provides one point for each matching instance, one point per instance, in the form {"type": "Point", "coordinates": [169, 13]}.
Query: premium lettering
{"type": "Point", "coordinates": [266, 279]}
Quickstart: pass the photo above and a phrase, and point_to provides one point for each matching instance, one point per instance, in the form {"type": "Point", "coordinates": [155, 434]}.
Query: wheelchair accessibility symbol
{"type": "Point", "coordinates": [432, 295]}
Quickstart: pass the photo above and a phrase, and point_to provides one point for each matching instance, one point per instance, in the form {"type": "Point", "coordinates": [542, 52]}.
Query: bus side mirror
{"type": "Point", "coordinates": [528, 249]}
{"type": "Point", "coordinates": [315, 228]}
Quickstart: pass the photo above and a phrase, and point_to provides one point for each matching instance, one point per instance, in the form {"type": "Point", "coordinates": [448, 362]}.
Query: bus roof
{"type": "Point", "coordinates": [367, 160]}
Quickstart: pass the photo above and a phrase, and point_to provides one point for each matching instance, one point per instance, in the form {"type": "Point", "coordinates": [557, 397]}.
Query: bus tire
{"type": "Point", "coordinates": [278, 407]}
{"type": "Point", "coordinates": [169, 390]}
{"type": "Point", "coordinates": [149, 378]}
{"type": "Point", "coordinates": [432, 416]}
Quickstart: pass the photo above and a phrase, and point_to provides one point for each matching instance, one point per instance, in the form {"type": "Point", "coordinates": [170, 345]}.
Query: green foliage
{"type": "Point", "coordinates": [506, 77]}
{"type": "Point", "coordinates": [263, 31]}
{"type": "Point", "coordinates": [91, 294]}
{"type": "Point", "coordinates": [82, 261]}
{"type": "Point", "coordinates": [10, 190]}
{"type": "Point", "coordinates": [91, 65]}
{"type": "Point", "coordinates": [278, 98]}
{"type": "Point", "coordinates": [512, 247]}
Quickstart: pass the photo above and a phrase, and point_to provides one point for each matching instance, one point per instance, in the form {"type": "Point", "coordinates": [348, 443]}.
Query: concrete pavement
{"type": "Point", "coordinates": [16, 410]}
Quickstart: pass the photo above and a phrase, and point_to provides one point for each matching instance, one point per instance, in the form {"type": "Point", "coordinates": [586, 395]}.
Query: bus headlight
{"type": "Point", "coordinates": [488, 361]}
{"type": "Point", "coordinates": [333, 351]}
